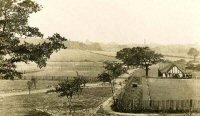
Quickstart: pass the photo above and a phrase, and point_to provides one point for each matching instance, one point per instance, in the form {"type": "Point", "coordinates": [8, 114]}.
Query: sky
{"type": "Point", "coordinates": [121, 21]}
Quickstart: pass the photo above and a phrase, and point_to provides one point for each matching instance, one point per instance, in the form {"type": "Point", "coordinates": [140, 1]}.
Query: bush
{"type": "Point", "coordinates": [181, 61]}
{"type": "Point", "coordinates": [191, 66]}
{"type": "Point", "coordinates": [37, 113]}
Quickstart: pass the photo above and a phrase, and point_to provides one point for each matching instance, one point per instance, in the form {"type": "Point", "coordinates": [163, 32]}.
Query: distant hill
{"type": "Point", "coordinates": [76, 55]}
{"type": "Point", "coordinates": [69, 44]}
{"type": "Point", "coordinates": [173, 50]}
{"type": "Point", "coordinates": [112, 46]}
{"type": "Point", "coordinates": [83, 46]}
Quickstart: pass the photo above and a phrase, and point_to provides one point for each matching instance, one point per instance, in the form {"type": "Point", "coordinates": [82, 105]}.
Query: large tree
{"type": "Point", "coordinates": [193, 52]}
{"type": "Point", "coordinates": [14, 27]}
{"type": "Point", "coordinates": [142, 57]}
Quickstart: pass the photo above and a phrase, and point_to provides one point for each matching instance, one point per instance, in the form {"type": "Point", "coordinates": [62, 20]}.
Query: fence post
{"type": "Point", "coordinates": [174, 105]}
{"type": "Point", "coordinates": [191, 105]}
{"type": "Point", "coordinates": [132, 105]}
{"type": "Point", "coordinates": [163, 105]}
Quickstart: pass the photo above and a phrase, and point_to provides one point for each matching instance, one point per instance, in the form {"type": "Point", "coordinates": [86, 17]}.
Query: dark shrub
{"type": "Point", "coordinates": [37, 113]}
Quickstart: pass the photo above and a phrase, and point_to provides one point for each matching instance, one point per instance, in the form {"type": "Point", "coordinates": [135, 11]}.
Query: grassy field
{"type": "Point", "coordinates": [65, 63]}
{"type": "Point", "coordinates": [62, 70]}
{"type": "Point", "coordinates": [105, 53]}
{"type": "Point", "coordinates": [174, 89]}
{"type": "Point", "coordinates": [21, 85]}
{"type": "Point", "coordinates": [22, 105]}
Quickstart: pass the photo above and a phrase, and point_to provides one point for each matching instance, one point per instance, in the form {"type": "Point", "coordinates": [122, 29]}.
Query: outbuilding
{"type": "Point", "coordinates": [173, 71]}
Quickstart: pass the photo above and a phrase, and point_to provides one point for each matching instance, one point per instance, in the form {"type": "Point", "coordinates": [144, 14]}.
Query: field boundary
{"type": "Point", "coordinates": [168, 106]}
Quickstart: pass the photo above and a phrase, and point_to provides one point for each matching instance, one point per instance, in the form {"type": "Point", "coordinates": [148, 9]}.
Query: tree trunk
{"type": "Point", "coordinates": [194, 58]}
{"type": "Point", "coordinates": [147, 71]}
{"type": "Point", "coordinates": [4, 25]}
{"type": "Point", "coordinates": [113, 90]}
{"type": "Point", "coordinates": [35, 85]}
{"type": "Point", "coordinates": [69, 104]}
{"type": "Point", "coordinates": [29, 91]}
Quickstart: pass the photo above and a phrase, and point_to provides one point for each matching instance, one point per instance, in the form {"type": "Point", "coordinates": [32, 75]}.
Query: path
{"type": "Point", "coordinates": [23, 93]}
{"type": "Point", "coordinates": [118, 88]}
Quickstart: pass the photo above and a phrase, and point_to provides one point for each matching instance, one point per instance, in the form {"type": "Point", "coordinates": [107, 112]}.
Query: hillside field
{"type": "Point", "coordinates": [66, 63]}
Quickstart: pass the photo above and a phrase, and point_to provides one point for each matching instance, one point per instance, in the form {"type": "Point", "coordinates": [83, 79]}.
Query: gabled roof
{"type": "Point", "coordinates": [170, 66]}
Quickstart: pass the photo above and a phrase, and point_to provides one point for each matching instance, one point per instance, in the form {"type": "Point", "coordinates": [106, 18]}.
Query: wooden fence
{"type": "Point", "coordinates": [58, 78]}
{"type": "Point", "coordinates": [171, 105]}
{"type": "Point", "coordinates": [162, 106]}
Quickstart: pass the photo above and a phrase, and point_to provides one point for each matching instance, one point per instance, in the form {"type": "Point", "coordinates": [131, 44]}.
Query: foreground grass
{"type": "Point", "coordinates": [25, 104]}
{"type": "Point", "coordinates": [7, 86]}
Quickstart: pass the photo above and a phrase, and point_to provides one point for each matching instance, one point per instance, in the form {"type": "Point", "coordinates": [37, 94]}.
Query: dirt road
{"type": "Point", "coordinates": [118, 87]}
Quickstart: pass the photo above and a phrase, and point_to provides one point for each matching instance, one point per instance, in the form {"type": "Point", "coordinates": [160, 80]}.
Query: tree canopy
{"type": "Point", "coordinates": [124, 55]}
{"type": "Point", "coordinates": [14, 26]}
{"type": "Point", "coordinates": [114, 68]}
{"type": "Point", "coordinates": [193, 52]}
{"type": "Point", "coordinates": [104, 77]}
{"type": "Point", "coordinates": [142, 57]}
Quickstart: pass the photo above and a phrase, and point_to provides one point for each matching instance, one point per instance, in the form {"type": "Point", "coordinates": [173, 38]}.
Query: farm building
{"type": "Point", "coordinates": [173, 71]}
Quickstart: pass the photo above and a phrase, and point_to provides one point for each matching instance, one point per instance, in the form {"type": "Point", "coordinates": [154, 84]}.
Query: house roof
{"type": "Point", "coordinates": [170, 66]}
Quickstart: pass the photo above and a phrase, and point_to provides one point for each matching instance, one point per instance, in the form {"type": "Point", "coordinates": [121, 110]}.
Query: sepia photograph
{"type": "Point", "coordinates": [99, 58]}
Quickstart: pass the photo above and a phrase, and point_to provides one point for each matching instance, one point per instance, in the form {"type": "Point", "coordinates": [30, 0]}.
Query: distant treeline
{"type": "Point", "coordinates": [95, 46]}
{"type": "Point", "coordinates": [83, 46]}
{"type": "Point", "coordinates": [175, 50]}
{"type": "Point", "coordinates": [69, 44]}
